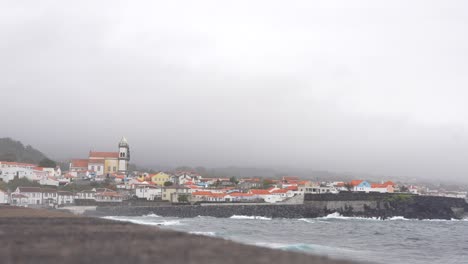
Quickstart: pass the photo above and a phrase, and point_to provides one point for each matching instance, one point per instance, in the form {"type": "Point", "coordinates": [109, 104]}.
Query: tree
{"type": "Point", "coordinates": [267, 184]}
{"type": "Point", "coordinates": [404, 189]}
{"type": "Point", "coordinates": [348, 186]}
{"type": "Point", "coordinates": [23, 182]}
{"type": "Point", "coordinates": [47, 163]}
{"type": "Point", "coordinates": [168, 183]}
{"type": "Point", "coordinates": [183, 198]}
{"type": "Point", "coordinates": [233, 180]}
{"type": "Point", "coordinates": [3, 186]}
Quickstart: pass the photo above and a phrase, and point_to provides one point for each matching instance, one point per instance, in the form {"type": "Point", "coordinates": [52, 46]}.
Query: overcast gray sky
{"type": "Point", "coordinates": [364, 86]}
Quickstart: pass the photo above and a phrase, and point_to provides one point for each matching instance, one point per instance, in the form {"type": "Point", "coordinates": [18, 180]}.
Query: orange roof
{"type": "Point", "coordinates": [259, 191]}
{"type": "Point", "coordinates": [387, 183]}
{"type": "Point", "coordinates": [356, 182]}
{"type": "Point", "coordinates": [340, 184]}
{"type": "Point", "coordinates": [240, 194]}
{"type": "Point", "coordinates": [80, 163]}
{"type": "Point", "coordinates": [292, 188]}
{"type": "Point", "coordinates": [95, 154]}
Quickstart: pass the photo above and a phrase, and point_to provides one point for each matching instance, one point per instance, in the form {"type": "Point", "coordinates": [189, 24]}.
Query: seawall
{"type": "Point", "coordinates": [348, 204]}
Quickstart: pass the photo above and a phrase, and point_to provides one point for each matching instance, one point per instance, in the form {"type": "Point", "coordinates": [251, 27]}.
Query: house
{"type": "Point", "coordinates": [283, 193]}
{"type": "Point", "coordinates": [266, 195]}
{"type": "Point", "coordinates": [317, 189]}
{"type": "Point", "coordinates": [33, 196]}
{"type": "Point", "coordinates": [413, 189]}
{"type": "Point", "coordinates": [86, 194]}
{"type": "Point", "coordinates": [49, 197]}
{"type": "Point", "coordinates": [96, 166]}
{"type": "Point", "coordinates": [240, 197]}
{"type": "Point", "coordinates": [360, 186]}
{"type": "Point", "coordinates": [108, 196]}
{"type": "Point", "coordinates": [160, 178]}
{"type": "Point", "coordinates": [77, 165]}
{"type": "Point", "coordinates": [207, 196]}
{"type": "Point", "coordinates": [64, 197]}
{"type": "Point", "coordinates": [386, 187]}
{"type": "Point", "coordinates": [173, 193]}
{"type": "Point", "coordinates": [19, 199]}
{"type": "Point", "coordinates": [3, 197]}
{"type": "Point", "coordinates": [148, 192]}
{"type": "Point", "coordinates": [184, 176]}
{"type": "Point", "coordinates": [252, 183]}
{"type": "Point", "coordinates": [49, 180]}
{"type": "Point", "coordinates": [11, 170]}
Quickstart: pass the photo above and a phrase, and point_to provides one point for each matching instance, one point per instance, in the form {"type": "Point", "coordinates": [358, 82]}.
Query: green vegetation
{"type": "Point", "coordinates": [168, 183]}
{"type": "Point", "coordinates": [3, 186]}
{"type": "Point", "coordinates": [399, 198]}
{"type": "Point", "coordinates": [15, 151]}
{"type": "Point", "coordinates": [23, 182]}
{"type": "Point", "coordinates": [183, 198]}
{"type": "Point", "coordinates": [47, 163]}
{"type": "Point", "coordinates": [234, 180]}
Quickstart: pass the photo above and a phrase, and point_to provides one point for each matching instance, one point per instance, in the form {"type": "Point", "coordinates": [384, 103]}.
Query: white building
{"type": "Point", "coordinates": [9, 173]}
{"type": "Point", "coordinates": [3, 197]}
{"type": "Point", "coordinates": [36, 197]}
{"type": "Point", "coordinates": [96, 166]}
{"type": "Point", "coordinates": [64, 197]}
{"type": "Point", "coordinates": [33, 196]}
{"type": "Point", "coordinates": [148, 192]}
{"type": "Point", "coordinates": [87, 195]}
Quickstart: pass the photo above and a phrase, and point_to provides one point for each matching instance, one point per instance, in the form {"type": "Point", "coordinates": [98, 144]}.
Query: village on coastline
{"type": "Point", "coordinates": [104, 178]}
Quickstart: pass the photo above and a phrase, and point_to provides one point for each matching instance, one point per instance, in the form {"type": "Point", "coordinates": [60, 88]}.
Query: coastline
{"type": "Point", "coordinates": [43, 236]}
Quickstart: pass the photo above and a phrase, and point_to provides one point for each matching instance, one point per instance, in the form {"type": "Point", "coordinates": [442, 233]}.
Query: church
{"type": "Point", "coordinates": [104, 163]}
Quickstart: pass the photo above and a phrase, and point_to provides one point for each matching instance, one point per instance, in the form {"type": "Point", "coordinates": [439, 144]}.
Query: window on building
{"type": "Point", "coordinates": [115, 169]}
{"type": "Point", "coordinates": [108, 168]}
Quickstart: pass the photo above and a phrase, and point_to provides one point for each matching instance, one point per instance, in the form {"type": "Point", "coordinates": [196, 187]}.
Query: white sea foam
{"type": "Point", "coordinates": [400, 218]}
{"type": "Point", "coordinates": [145, 222]}
{"type": "Point", "coordinates": [337, 215]}
{"type": "Point", "coordinates": [248, 217]}
{"type": "Point", "coordinates": [151, 215]}
{"type": "Point", "coordinates": [203, 233]}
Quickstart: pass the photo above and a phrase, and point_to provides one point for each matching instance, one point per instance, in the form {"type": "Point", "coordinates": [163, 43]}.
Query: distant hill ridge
{"type": "Point", "coordinates": [15, 151]}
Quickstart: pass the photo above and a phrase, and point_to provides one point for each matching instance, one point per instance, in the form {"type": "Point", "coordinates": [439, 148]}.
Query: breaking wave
{"type": "Point", "coordinates": [247, 217]}
{"type": "Point", "coordinates": [145, 222]}
{"type": "Point", "coordinates": [202, 233]}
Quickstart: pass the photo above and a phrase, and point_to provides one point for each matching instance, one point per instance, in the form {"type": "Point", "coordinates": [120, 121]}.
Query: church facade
{"type": "Point", "coordinates": [104, 163]}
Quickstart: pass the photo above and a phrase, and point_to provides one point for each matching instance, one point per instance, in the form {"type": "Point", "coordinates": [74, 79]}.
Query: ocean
{"type": "Point", "coordinates": [395, 240]}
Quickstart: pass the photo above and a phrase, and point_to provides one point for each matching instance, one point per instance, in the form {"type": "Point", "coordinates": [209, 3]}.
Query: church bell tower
{"type": "Point", "coordinates": [124, 155]}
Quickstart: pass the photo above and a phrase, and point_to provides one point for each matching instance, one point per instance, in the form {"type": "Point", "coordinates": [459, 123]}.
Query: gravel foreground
{"type": "Point", "coordinates": [43, 236]}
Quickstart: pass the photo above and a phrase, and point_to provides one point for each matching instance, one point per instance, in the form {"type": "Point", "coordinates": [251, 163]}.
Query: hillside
{"type": "Point", "coordinates": [11, 150]}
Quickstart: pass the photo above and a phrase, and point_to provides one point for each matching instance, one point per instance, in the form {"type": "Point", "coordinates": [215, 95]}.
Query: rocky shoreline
{"type": "Point", "coordinates": [379, 206]}
{"type": "Point", "coordinates": [42, 236]}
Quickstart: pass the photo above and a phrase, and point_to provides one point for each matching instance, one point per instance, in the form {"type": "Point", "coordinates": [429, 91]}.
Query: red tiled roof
{"type": "Point", "coordinates": [292, 188]}
{"type": "Point", "coordinates": [387, 183]}
{"type": "Point", "coordinates": [355, 182]}
{"type": "Point", "coordinates": [240, 194]}
{"type": "Point", "coordinates": [259, 191]}
{"type": "Point", "coordinates": [96, 154]}
{"type": "Point", "coordinates": [79, 163]}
